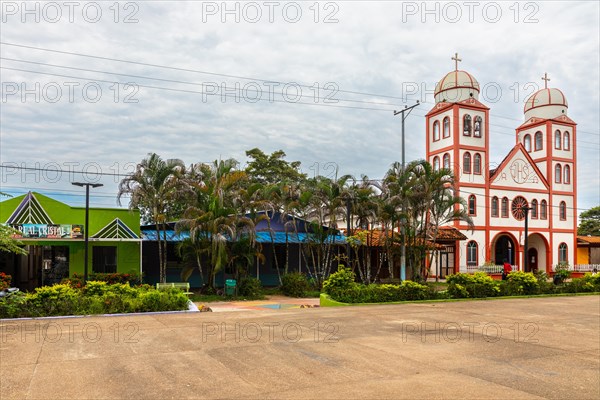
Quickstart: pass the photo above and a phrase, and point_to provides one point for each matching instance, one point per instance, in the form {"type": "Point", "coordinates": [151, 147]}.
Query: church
{"type": "Point", "coordinates": [535, 184]}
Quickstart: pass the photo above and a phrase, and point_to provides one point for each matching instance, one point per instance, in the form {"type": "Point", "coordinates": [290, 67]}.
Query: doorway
{"type": "Point", "coordinates": [504, 250]}
{"type": "Point", "coordinates": [532, 260]}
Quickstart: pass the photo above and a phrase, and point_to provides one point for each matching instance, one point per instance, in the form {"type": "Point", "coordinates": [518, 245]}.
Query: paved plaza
{"type": "Point", "coordinates": [494, 349]}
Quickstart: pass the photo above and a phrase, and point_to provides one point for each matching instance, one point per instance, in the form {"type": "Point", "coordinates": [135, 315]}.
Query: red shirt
{"type": "Point", "coordinates": [507, 268]}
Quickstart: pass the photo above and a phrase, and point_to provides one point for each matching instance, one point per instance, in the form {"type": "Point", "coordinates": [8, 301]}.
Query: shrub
{"type": "Point", "coordinates": [342, 279]}
{"type": "Point", "coordinates": [520, 283]}
{"type": "Point", "coordinates": [359, 293]}
{"type": "Point", "coordinates": [413, 291]}
{"type": "Point", "coordinates": [250, 287]}
{"type": "Point", "coordinates": [475, 285]}
{"type": "Point", "coordinates": [587, 283]}
{"type": "Point", "coordinates": [545, 286]}
{"type": "Point", "coordinates": [294, 284]}
{"type": "Point", "coordinates": [5, 280]}
{"type": "Point", "coordinates": [561, 272]}
{"type": "Point", "coordinates": [94, 298]}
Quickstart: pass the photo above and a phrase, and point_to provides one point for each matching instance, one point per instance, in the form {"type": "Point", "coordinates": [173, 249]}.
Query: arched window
{"type": "Point", "coordinates": [557, 173]}
{"type": "Point", "coordinates": [446, 127]}
{"type": "Point", "coordinates": [567, 174]}
{"type": "Point", "coordinates": [504, 209]}
{"type": "Point", "coordinates": [534, 209]}
{"type": "Point", "coordinates": [563, 253]}
{"type": "Point", "coordinates": [447, 161]}
{"type": "Point", "coordinates": [472, 254]}
{"type": "Point", "coordinates": [557, 139]}
{"type": "Point", "coordinates": [543, 210]}
{"type": "Point", "coordinates": [527, 142]}
{"type": "Point", "coordinates": [539, 141]}
{"type": "Point", "coordinates": [467, 163]}
{"type": "Point", "coordinates": [436, 130]}
{"type": "Point", "coordinates": [477, 126]}
{"type": "Point", "coordinates": [436, 163]}
{"type": "Point", "coordinates": [494, 206]}
{"type": "Point", "coordinates": [566, 141]}
{"type": "Point", "coordinates": [477, 163]}
{"type": "Point", "coordinates": [467, 125]}
{"type": "Point", "coordinates": [472, 205]}
{"type": "Point", "coordinates": [562, 210]}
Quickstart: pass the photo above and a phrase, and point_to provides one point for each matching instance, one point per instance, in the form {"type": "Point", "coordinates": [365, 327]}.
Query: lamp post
{"type": "Point", "coordinates": [406, 110]}
{"type": "Point", "coordinates": [87, 220]}
{"type": "Point", "coordinates": [525, 257]}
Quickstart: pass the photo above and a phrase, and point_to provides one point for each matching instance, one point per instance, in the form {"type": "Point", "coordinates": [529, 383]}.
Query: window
{"type": "Point", "coordinates": [543, 210]}
{"type": "Point", "coordinates": [467, 125]}
{"type": "Point", "coordinates": [557, 139]}
{"type": "Point", "coordinates": [447, 161]}
{"type": "Point", "coordinates": [566, 141]}
{"type": "Point", "coordinates": [104, 259]}
{"type": "Point", "coordinates": [494, 206]}
{"type": "Point", "coordinates": [557, 173]}
{"type": "Point", "coordinates": [527, 142]}
{"type": "Point", "coordinates": [562, 210]}
{"type": "Point", "coordinates": [518, 208]}
{"type": "Point", "coordinates": [467, 163]}
{"type": "Point", "coordinates": [436, 131]}
{"type": "Point", "coordinates": [562, 253]}
{"type": "Point", "coordinates": [534, 209]}
{"type": "Point", "coordinates": [477, 163]}
{"type": "Point", "coordinates": [567, 174]}
{"type": "Point", "coordinates": [539, 141]}
{"type": "Point", "coordinates": [472, 205]}
{"type": "Point", "coordinates": [504, 209]}
{"type": "Point", "coordinates": [477, 126]}
{"type": "Point", "coordinates": [472, 254]}
{"type": "Point", "coordinates": [436, 163]}
{"type": "Point", "coordinates": [446, 127]}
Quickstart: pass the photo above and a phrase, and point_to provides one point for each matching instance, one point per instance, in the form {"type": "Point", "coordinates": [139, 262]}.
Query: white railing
{"type": "Point", "coordinates": [583, 267]}
{"type": "Point", "coordinates": [490, 269]}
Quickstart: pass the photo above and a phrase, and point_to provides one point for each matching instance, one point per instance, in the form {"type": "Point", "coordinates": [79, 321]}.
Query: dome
{"type": "Point", "coordinates": [546, 103]}
{"type": "Point", "coordinates": [456, 86]}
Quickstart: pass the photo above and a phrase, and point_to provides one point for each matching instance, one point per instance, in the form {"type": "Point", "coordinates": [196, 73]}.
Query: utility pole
{"type": "Point", "coordinates": [405, 112]}
{"type": "Point", "coordinates": [525, 256]}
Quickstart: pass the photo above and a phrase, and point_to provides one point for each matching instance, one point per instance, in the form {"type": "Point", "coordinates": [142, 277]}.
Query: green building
{"type": "Point", "coordinates": [53, 234]}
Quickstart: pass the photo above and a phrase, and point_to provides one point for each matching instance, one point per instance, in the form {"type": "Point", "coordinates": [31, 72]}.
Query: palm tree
{"type": "Point", "coordinates": [215, 218]}
{"type": "Point", "coordinates": [155, 187]}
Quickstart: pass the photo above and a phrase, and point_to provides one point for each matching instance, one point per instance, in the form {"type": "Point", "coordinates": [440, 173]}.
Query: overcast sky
{"type": "Point", "coordinates": [353, 63]}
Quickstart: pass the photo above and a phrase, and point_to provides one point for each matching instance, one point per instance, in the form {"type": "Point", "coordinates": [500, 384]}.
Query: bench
{"type": "Point", "coordinates": [185, 286]}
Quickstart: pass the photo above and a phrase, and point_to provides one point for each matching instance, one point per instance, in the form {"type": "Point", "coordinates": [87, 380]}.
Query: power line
{"type": "Point", "coordinates": [404, 99]}
{"type": "Point", "coordinates": [193, 83]}
{"type": "Point", "coordinates": [237, 97]}
{"type": "Point", "coordinates": [197, 92]}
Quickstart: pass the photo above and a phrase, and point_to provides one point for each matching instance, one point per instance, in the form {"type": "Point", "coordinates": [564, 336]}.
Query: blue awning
{"type": "Point", "coordinates": [261, 237]}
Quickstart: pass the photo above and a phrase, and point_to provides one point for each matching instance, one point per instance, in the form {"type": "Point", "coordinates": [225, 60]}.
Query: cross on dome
{"type": "Point", "coordinates": [545, 79]}
{"type": "Point", "coordinates": [456, 61]}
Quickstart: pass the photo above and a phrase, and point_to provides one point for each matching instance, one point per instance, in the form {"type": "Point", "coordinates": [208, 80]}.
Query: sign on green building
{"type": "Point", "coordinates": [53, 233]}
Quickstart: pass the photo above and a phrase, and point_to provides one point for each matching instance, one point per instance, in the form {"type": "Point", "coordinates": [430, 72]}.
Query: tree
{"type": "Point", "coordinates": [155, 187]}
{"type": "Point", "coordinates": [8, 243]}
{"type": "Point", "coordinates": [590, 222]}
{"type": "Point", "coordinates": [272, 168]}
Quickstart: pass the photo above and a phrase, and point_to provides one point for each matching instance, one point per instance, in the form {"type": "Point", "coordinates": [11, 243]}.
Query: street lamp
{"type": "Point", "coordinates": [87, 220]}
{"type": "Point", "coordinates": [525, 257]}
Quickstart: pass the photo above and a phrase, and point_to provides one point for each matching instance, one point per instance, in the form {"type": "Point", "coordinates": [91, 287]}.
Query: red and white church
{"type": "Point", "coordinates": [539, 173]}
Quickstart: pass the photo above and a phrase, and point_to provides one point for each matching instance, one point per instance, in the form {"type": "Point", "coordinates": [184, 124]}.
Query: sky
{"type": "Point", "coordinates": [96, 86]}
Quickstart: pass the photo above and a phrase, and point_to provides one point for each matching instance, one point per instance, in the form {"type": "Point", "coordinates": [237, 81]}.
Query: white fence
{"type": "Point", "coordinates": [497, 269]}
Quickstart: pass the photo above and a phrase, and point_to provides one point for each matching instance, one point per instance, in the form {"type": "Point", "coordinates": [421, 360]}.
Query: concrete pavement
{"type": "Point", "coordinates": [517, 348]}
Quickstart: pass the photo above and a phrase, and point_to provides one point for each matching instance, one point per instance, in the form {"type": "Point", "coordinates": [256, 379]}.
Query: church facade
{"type": "Point", "coordinates": [536, 180]}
